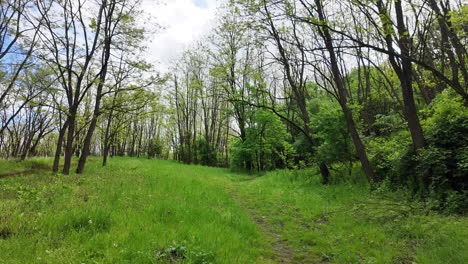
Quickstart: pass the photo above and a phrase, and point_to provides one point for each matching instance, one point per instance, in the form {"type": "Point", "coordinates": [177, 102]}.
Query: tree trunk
{"type": "Point", "coordinates": [89, 135]}
{"type": "Point", "coordinates": [299, 91]}
{"type": "Point", "coordinates": [106, 140]}
{"type": "Point", "coordinates": [360, 149]}
{"type": "Point", "coordinates": [69, 144]}
{"type": "Point", "coordinates": [406, 77]}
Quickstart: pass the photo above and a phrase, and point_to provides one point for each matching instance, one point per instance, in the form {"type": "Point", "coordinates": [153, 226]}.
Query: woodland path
{"type": "Point", "coordinates": [17, 173]}
{"type": "Point", "coordinates": [282, 251]}
{"type": "Point", "coordinates": [26, 172]}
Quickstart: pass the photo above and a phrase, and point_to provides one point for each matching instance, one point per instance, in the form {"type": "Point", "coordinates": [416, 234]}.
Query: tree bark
{"type": "Point", "coordinates": [342, 96]}
{"type": "Point", "coordinates": [69, 142]}
{"type": "Point", "coordinates": [406, 78]}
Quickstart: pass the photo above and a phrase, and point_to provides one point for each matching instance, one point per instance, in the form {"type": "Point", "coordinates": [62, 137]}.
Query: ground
{"type": "Point", "coordinates": [152, 211]}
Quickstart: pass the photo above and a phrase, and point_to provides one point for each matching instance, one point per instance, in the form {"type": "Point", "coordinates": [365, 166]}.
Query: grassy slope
{"type": "Point", "coordinates": [346, 224]}
{"type": "Point", "coordinates": [8, 166]}
{"type": "Point", "coordinates": [129, 211]}
{"type": "Point", "coordinates": [123, 214]}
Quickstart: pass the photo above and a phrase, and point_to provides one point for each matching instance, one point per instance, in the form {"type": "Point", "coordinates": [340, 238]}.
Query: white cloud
{"type": "Point", "coordinates": [185, 21]}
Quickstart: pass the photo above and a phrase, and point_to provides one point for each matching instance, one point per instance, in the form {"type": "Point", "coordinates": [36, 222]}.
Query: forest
{"type": "Point", "coordinates": [299, 109]}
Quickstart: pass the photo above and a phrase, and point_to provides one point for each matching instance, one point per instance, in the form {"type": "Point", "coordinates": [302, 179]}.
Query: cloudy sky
{"type": "Point", "coordinates": [184, 22]}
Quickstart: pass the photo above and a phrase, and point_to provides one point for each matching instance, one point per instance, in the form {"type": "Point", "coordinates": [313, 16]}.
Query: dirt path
{"type": "Point", "coordinates": [26, 172]}
{"type": "Point", "coordinates": [17, 173]}
{"type": "Point", "coordinates": [283, 252]}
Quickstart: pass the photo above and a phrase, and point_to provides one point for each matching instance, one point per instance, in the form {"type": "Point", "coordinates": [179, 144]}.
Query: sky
{"type": "Point", "coordinates": [184, 22]}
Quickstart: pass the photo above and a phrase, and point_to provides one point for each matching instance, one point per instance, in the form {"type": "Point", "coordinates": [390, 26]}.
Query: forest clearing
{"type": "Point", "coordinates": [234, 131]}
{"type": "Point", "coordinates": [154, 211]}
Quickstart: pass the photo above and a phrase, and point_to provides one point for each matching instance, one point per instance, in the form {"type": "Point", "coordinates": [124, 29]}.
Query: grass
{"type": "Point", "coordinates": [129, 212]}
{"type": "Point", "coordinates": [12, 165]}
{"type": "Point", "coordinates": [150, 211]}
{"type": "Point", "coordinates": [348, 224]}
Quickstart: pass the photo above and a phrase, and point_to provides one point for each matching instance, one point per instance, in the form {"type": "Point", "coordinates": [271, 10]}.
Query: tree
{"type": "Point", "coordinates": [118, 22]}
{"type": "Point", "coordinates": [69, 52]}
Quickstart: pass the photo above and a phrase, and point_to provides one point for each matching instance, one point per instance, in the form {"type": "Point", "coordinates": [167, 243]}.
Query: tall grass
{"type": "Point", "coordinates": [150, 211]}
{"type": "Point", "coordinates": [16, 165]}
{"type": "Point", "coordinates": [128, 212]}
{"type": "Point", "coordinates": [348, 223]}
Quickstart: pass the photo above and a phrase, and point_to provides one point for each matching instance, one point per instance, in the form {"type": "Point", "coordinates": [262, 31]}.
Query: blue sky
{"type": "Point", "coordinates": [200, 3]}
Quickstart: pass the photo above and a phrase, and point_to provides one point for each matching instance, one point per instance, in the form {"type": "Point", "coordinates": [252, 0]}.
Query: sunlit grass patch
{"type": "Point", "coordinates": [127, 213]}
{"type": "Point", "coordinates": [151, 211]}
{"type": "Point", "coordinates": [348, 223]}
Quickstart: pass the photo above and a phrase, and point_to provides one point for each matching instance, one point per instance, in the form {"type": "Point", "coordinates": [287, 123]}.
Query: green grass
{"type": "Point", "coordinates": [150, 211]}
{"type": "Point", "coordinates": [348, 224]}
{"type": "Point", "coordinates": [13, 165]}
{"type": "Point", "coordinates": [125, 213]}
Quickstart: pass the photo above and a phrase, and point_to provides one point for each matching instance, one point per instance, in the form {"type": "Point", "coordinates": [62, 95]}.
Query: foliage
{"type": "Point", "coordinates": [436, 173]}
{"type": "Point", "coordinates": [439, 170]}
{"type": "Point", "coordinates": [386, 153]}
{"type": "Point", "coordinates": [375, 109]}
{"type": "Point", "coordinates": [304, 152]}
{"type": "Point", "coordinates": [155, 148]}
{"type": "Point", "coordinates": [204, 154]}
{"type": "Point", "coordinates": [266, 146]}
{"type": "Point", "coordinates": [330, 129]}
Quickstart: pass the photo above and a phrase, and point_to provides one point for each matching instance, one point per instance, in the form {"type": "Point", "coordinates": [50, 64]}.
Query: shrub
{"type": "Point", "coordinates": [265, 146]}
{"type": "Point", "coordinates": [330, 129]}
{"type": "Point", "coordinates": [438, 172]}
{"type": "Point", "coordinates": [155, 148]}
{"type": "Point", "coordinates": [204, 154]}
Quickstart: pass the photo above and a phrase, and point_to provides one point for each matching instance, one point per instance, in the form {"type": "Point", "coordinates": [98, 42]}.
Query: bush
{"type": "Point", "coordinates": [443, 164]}
{"type": "Point", "coordinates": [437, 173]}
{"type": "Point", "coordinates": [387, 154]}
{"type": "Point", "coordinates": [155, 148]}
{"type": "Point", "coordinates": [335, 145]}
{"type": "Point", "coordinates": [204, 154]}
{"type": "Point", "coordinates": [265, 146]}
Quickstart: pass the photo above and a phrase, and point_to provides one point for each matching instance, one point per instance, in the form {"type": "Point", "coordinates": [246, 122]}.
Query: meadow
{"type": "Point", "coordinates": [14, 166]}
{"type": "Point", "coordinates": [139, 210]}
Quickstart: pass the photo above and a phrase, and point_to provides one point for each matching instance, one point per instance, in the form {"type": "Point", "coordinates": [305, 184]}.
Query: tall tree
{"type": "Point", "coordinates": [294, 68]}
{"type": "Point", "coordinates": [118, 22]}
{"type": "Point", "coordinates": [70, 51]}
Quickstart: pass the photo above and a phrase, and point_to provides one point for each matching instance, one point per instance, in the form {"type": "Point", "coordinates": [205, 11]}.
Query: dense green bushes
{"type": "Point", "coordinates": [435, 174]}
{"type": "Point", "coordinates": [156, 148]}
{"type": "Point", "coordinates": [438, 172]}
{"type": "Point", "coordinates": [203, 154]}
{"type": "Point", "coordinates": [332, 134]}
{"type": "Point", "coordinates": [265, 147]}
